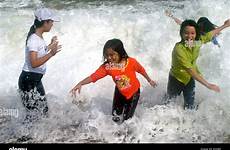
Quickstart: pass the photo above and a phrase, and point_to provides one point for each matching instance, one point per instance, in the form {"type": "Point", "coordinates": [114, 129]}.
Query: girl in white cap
{"type": "Point", "coordinates": [37, 53]}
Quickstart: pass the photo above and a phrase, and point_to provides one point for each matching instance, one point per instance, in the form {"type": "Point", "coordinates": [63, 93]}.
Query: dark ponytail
{"type": "Point", "coordinates": [205, 25]}
{"type": "Point", "coordinates": [37, 24]}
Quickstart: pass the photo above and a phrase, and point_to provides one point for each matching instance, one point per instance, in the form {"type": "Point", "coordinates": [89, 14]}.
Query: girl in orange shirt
{"type": "Point", "coordinates": [122, 69]}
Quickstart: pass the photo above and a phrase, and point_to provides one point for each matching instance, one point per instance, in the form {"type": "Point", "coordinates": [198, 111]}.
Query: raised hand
{"type": "Point", "coordinates": [54, 39]}
{"type": "Point", "coordinates": [227, 23]}
{"type": "Point", "coordinates": [54, 47]}
{"type": "Point", "coordinates": [168, 13]}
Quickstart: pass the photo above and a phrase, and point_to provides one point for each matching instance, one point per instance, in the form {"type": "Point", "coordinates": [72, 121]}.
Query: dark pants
{"type": "Point", "coordinates": [175, 88]}
{"type": "Point", "coordinates": [122, 106]}
{"type": "Point", "coordinates": [33, 94]}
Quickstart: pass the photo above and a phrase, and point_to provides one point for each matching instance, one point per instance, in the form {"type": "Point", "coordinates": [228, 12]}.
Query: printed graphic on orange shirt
{"type": "Point", "coordinates": [122, 82]}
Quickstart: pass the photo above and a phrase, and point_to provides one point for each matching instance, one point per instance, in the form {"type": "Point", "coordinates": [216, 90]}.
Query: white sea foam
{"type": "Point", "coordinates": [149, 36]}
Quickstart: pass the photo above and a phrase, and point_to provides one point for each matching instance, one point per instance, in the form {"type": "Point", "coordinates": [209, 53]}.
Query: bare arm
{"type": "Point", "coordinates": [218, 29]}
{"type": "Point", "coordinates": [36, 62]}
{"type": "Point", "coordinates": [77, 87]}
{"type": "Point", "coordinates": [53, 48]}
{"type": "Point", "coordinates": [169, 14]}
{"type": "Point", "coordinates": [151, 82]}
{"type": "Point", "coordinates": [200, 79]}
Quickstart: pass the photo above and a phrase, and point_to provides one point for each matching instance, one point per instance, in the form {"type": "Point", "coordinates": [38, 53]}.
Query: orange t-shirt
{"type": "Point", "coordinates": [123, 76]}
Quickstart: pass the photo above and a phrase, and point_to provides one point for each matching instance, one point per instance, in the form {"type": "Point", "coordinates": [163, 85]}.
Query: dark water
{"type": "Point", "coordinates": [70, 4]}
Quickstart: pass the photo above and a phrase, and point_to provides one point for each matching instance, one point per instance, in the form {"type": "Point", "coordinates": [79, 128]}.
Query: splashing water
{"type": "Point", "coordinates": [149, 36]}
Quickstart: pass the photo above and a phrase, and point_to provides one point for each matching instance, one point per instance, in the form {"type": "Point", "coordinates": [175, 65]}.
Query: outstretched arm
{"type": "Point", "coordinates": [87, 80]}
{"type": "Point", "coordinates": [169, 14]}
{"type": "Point", "coordinates": [217, 30]}
{"type": "Point", "coordinates": [151, 82]}
{"type": "Point", "coordinates": [140, 69]}
{"type": "Point", "coordinates": [200, 79]}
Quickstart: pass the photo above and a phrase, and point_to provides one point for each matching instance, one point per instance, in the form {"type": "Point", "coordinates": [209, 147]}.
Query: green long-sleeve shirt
{"type": "Point", "coordinates": [184, 57]}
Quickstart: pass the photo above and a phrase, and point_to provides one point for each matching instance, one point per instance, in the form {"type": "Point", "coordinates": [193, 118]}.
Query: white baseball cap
{"type": "Point", "coordinates": [45, 14]}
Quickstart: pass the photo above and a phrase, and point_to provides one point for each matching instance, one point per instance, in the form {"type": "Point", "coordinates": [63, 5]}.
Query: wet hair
{"type": "Point", "coordinates": [117, 46]}
{"type": "Point", "coordinates": [37, 24]}
{"type": "Point", "coordinates": [192, 23]}
{"type": "Point", "coordinates": [205, 25]}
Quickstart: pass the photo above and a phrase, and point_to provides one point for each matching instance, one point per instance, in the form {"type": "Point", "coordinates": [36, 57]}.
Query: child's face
{"type": "Point", "coordinates": [189, 33]}
{"type": "Point", "coordinates": [112, 56]}
{"type": "Point", "coordinates": [48, 25]}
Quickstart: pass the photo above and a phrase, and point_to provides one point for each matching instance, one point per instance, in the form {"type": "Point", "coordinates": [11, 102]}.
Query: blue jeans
{"type": "Point", "coordinates": [175, 88]}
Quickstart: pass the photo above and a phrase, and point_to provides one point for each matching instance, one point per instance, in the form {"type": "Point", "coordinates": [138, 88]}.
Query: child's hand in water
{"type": "Point", "coordinates": [79, 100]}
{"type": "Point", "coordinates": [75, 89]}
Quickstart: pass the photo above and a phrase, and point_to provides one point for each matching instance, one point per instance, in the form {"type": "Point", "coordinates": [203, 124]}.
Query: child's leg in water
{"type": "Point", "coordinates": [124, 109]}
{"type": "Point", "coordinates": [130, 105]}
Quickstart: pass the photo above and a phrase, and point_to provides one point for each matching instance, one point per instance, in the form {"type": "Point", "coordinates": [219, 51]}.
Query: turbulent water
{"type": "Point", "coordinates": [149, 36]}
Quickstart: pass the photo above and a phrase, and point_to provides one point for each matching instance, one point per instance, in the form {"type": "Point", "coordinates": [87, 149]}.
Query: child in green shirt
{"type": "Point", "coordinates": [184, 70]}
{"type": "Point", "coordinates": [205, 26]}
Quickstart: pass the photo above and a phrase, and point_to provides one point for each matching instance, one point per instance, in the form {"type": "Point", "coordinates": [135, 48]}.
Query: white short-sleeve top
{"type": "Point", "coordinates": [36, 44]}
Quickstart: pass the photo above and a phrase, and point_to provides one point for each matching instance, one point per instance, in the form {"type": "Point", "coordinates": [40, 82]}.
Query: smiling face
{"type": "Point", "coordinates": [112, 56]}
{"type": "Point", "coordinates": [189, 33]}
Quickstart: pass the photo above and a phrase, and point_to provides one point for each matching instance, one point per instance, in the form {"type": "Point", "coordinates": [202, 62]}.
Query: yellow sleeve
{"type": "Point", "coordinates": [206, 37]}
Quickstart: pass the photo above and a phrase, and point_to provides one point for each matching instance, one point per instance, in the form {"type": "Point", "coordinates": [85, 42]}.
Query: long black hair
{"type": "Point", "coordinates": [205, 25]}
{"type": "Point", "coordinates": [37, 24]}
{"type": "Point", "coordinates": [116, 45]}
{"type": "Point", "coordinates": [192, 23]}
